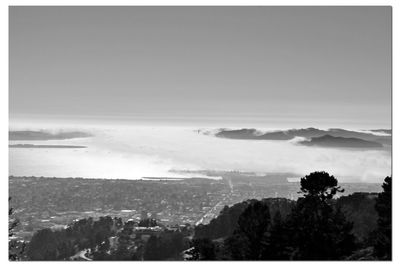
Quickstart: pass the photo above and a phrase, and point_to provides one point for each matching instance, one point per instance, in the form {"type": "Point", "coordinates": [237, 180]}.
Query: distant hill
{"type": "Point", "coordinates": [384, 141]}
{"type": "Point", "coordinates": [337, 132]}
{"type": "Point", "coordinates": [340, 142]}
{"type": "Point", "coordinates": [253, 134]}
{"type": "Point", "coordinates": [43, 135]}
{"type": "Point", "coordinates": [29, 146]}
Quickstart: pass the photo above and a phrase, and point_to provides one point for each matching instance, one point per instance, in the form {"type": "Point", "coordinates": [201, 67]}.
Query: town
{"type": "Point", "coordinates": [41, 202]}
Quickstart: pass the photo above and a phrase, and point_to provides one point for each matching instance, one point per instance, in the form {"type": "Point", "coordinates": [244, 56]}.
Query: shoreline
{"type": "Point", "coordinates": [170, 179]}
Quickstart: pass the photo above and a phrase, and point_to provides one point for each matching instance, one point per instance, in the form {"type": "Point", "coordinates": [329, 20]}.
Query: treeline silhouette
{"type": "Point", "coordinates": [358, 208]}
{"type": "Point", "coordinates": [318, 226]}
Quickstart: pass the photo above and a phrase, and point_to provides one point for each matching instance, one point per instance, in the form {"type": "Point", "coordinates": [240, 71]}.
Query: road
{"type": "Point", "coordinates": [210, 214]}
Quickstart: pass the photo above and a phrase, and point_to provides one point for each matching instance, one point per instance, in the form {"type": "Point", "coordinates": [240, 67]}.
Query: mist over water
{"type": "Point", "coordinates": [136, 151]}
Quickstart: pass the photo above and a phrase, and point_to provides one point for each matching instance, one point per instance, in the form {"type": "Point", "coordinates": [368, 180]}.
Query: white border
{"type": "Point", "coordinates": [4, 97]}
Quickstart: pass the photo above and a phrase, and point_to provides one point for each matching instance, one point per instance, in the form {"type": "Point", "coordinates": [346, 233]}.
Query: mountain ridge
{"type": "Point", "coordinates": [308, 133]}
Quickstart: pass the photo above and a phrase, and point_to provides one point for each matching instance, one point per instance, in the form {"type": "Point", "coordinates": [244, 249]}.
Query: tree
{"type": "Point", "coordinates": [101, 252]}
{"type": "Point", "coordinates": [43, 246]}
{"type": "Point", "coordinates": [203, 249]}
{"type": "Point", "coordinates": [318, 230]}
{"type": "Point", "coordinates": [320, 185]}
{"type": "Point", "coordinates": [148, 222]}
{"type": "Point", "coordinates": [125, 244]}
{"type": "Point", "coordinates": [15, 248]}
{"type": "Point", "coordinates": [383, 235]}
{"type": "Point", "coordinates": [253, 224]}
{"type": "Point", "coordinates": [153, 249]}
{"type": "Point", "coordinates": [276, 243]}
{"type": "Point", "coordinates": [360, 209]}
{"type": "Point", "coordinates": [167, 245]}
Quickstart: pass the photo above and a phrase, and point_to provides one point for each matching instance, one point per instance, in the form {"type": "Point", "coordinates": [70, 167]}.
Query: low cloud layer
{"type": "Point", "coordinates": [135, 152]}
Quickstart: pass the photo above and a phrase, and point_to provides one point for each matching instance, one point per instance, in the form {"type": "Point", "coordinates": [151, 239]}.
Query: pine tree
{"type": "Point", "coordinates": [318, 230]}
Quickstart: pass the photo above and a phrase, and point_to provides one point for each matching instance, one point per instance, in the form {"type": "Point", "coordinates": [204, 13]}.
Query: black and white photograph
{"type": "Point", "coordinates": [199, 133]}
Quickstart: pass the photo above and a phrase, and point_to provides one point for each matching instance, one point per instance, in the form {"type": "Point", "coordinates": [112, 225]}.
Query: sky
{"type": "Point", "coordinates": [310, 64]}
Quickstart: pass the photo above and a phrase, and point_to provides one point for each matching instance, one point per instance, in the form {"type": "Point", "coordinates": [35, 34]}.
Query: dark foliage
{"type": "Point", "coordinates": [166, 246]}
{"type": "Point", "coordinates": [83, 234]}
{"type": "Point", "coordinates": [253, 224]}
{"type": "Point", "coordinates": [359, 208]}
{"type": "Point", "coordinates": [276, 244]}
{"type": "Point", "coordinates": [224, 224]}
{"type": "Point", "coordinates": [315, 228]}
{"type": "Point", "coordinates": [148, 222]}
{"type": "Point", "coordinates": [383, 234]}
{"type": "Point", "coordinates": [320, 185]}
{"type": "Point", "coordinates": [16, 249]}
{"type": "Point", "coordinates": [319, 231]}
{"type": "Point", "coordinates": [203, 249]}
{"type": "Point", "coordinates": [227, 221]}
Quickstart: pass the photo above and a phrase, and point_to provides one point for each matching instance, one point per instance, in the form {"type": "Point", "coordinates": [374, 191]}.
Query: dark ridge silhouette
{"type": "Point", "coordinates": [253, 134]}
{"type": "Point", "coordinates": [43, 135]}
{"type": "Point", "coordinates": [384, 141]}
{"type": "Point", "coordinates": [340, 142]}
{"type": "Point", "coordinates": [29, 146]}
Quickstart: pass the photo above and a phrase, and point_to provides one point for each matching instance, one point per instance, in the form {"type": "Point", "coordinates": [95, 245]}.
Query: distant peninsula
{"type": "Point", "coordinates": [309, 133]}
{"type": "Point", "coordinates": [45, 146]}
{"type": "Point", "coordinates": [43, 135]}
{"type": "Point", "coordinates": [340, 142]}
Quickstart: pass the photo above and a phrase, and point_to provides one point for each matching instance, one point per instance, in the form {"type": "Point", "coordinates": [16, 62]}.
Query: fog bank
{"type": "Point", "coordinates": [133, 152]}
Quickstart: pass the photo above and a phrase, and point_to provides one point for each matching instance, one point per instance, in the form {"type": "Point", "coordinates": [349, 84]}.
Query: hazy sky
{"type": "Point", "coordinates": [303, 63]}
